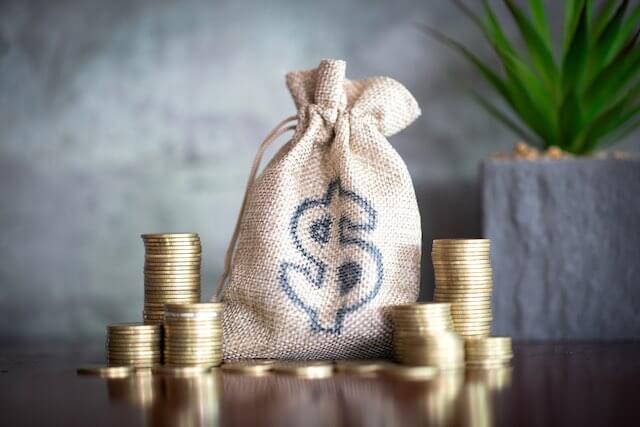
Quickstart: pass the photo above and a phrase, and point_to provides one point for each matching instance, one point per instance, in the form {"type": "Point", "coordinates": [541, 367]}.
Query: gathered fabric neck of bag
{"type": "Point", "coordinates": [281, 128]}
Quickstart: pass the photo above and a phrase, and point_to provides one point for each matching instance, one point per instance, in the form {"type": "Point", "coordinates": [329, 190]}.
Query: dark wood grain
{"type": "Point", "coordinates": [548, 384]}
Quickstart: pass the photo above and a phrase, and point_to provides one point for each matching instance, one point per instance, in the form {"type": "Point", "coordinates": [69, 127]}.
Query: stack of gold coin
{"type": "Point", "coordinates": [193, 334]}
{"type": "Point", "coordinates": [464, 278]}
{"type": "Point", "coordinates": [444, 350]}
{"type": "Point", "coordinates": [423, 336]}
{"type": "Point", "coordinates": [171, 272]}
{"type": "Point", "coordinates": [134, 344]}
{"type": "Point", "coordinates": [421, 319]}
{"type": "Point", "coordinates": [488, 352]}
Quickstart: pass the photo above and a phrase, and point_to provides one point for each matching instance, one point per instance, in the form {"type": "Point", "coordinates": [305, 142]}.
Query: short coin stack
{"type": "Point", "coordinates": [171, 272]}
{"type": "Point", "coordinates": [423, 336]}
{"type": "Point", "coordinates": [193, 334]}
{"type": "Point", "coordinates": [464, 278]}
{"type": "Point", "coordinates": [134, 344]}
{"type": "Point", "coordinates": [488, 352]}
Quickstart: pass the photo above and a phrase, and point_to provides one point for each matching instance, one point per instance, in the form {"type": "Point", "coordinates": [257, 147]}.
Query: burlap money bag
{"type": "Point", "coordinates": [329, 233]}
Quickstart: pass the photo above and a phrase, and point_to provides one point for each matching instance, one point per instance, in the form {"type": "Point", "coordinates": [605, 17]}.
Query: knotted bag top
{"type": "Point", "coordinates": [381, 99]}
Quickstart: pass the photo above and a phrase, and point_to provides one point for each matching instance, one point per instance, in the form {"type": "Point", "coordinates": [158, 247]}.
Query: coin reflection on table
{"type": "Point", "coordinates": [140, 389]}
{"type": "Point", "coordinates": [169, 400]}
{"type": "Point", "coordinates": [477, 410]}
{"type": "Point", "coordinates": [190, 401]}
{"type": "Point", "coordinates": [496, 378]}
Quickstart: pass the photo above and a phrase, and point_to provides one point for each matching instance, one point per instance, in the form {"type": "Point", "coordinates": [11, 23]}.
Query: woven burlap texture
{"type": "Point", "coordinates": [330, 237]}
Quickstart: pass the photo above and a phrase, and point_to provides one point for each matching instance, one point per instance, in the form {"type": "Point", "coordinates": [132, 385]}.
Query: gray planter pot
{"type": "Point", "coordinates": [565, 247]}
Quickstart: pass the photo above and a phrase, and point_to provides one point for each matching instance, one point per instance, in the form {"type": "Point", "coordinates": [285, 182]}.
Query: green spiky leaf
{"type": "Point", "coordinates": [591, 98]}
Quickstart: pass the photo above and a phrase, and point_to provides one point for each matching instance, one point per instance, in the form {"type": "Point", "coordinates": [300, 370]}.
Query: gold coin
{"type": "Point", "coordinates": [180, 371]}
{"type": "Point", "coordinates": [175, 288]}
{"type": "Point", "coordinates": [200, 307]}
{"type": "Point", "coordinates": [409, 323]}
{"type": "Point", "coordinates": [130, 353]}
{"type": "Point", "coordinates": [428, 306]}
{"type": "Point", "coordinates": [141, 362]}
{"type": "Point", "coordinates": [210, 365]}
{"type": "Point", "coordinates": [175, 268]}
{"type": "Point", "coordinates": [169, 236]}
{"type": "Point", "coordinates": [212, 361]}
{"type": "Point", "coordinates": [481, 285]}
{"type": "Point", "coordinates": [150, 275]}
{"type": "Point", "coordinates": [171, 243]}
{"type": "Point", "coordinates": [191, 290]}
{"type": "Point", "coordinates": [134, 343]}
{"type": "Point", "coordinates": [193, 319]}
{"type": "Point", "coordinates": [248, 367]}
{"type": "Point", "coordinates": [177, 244]}
{"type": "Point", "coordinates": [472, 314]}
{"type": "Point", "coordinates": [200, 350]}
{"type": "Point", "coordinates": [469, 304]}
{"type": "Point", "coordinates": [360, 367]}
{"type": "Point", "coordinates": [468, 263]}
{"type": "Point", "coordinates": [132, 328]}
{"type": "Point", "coordinates": [412, 373]}
{"type": "Point", "coordinates": [175, 252]}
{"type": "Point", "coordinates": [194, 352]}
{"type": "Point", "coordinates": [177, 279]}
{"type": "Point", "coordinates": [186, 344]}
{"type": "Point", "coordinates": [186, 296]}
{"type": "Point", "coordinates": [170, 290]}
{"type": "Point", "coordinates": [490, 342]}
{"type": "Point", "coordinates": [473, 326]}
{"type": "Point", "coordinates": [194, 337]}
{"type": "Point", "coordinates": [155, 258]}
{"type": "Point", "coordinates": [463, 291]}
{"type": "Point", "coordinates": [460, 244]}
{"type": "Point", "coordinates": [461, 256]}
{"type": "Point", "coordinates": [171, 295]}
{"type": "Point", "coordinates": [471, 310]}
{"type": "Point", "coordinates": [134, 339]}
{"type": "Point", "coordinates": [418, 319]}
{"type": "Point", "coordinates": [107, 371]}
{"type": "Point", "coordinates": [463, 284]}
{"type": "Point", "coordinates": [489, 364]}
{"type": "Point", "coordinates": [461, 301]}
{"type": "Point", "coordinates": [307, 370]}
{"type": "Point", "coordinates": [461, 272]}
{"type": "Point", "coordinates": [169, 300]}
{"type": "Point", "coordinates": [176, 265]}
{"type": "Point", "coordinates": [484, 320]}
{"type": "Point", "coordinates": [494, 354]}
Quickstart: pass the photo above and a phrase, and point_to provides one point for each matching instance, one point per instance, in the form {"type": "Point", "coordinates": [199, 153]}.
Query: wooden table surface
{"type": "Point", "coordinates": [568, 384]}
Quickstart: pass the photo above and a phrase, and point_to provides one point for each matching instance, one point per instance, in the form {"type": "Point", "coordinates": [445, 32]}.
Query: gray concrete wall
{"type": "Point", "coordinates": [121, 117]}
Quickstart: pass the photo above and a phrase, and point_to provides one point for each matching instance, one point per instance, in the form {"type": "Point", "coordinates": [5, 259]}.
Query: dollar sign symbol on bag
{"type": "Point", "coordinates": [358, 275]}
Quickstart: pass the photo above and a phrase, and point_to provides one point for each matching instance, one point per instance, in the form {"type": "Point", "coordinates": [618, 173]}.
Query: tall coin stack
{"type": "Point", "coordinates": [464, 278]}
{"type": "Point", "coordinates": [423, 336]}
{"type": "Point", "coordinates": [134, 344]}
{"type": "Point", "coordinates": [193, 334]}
{"type": "Point", "coordinates": [488, 352]}
{"type": "Point", "coordinates": [171, 272]}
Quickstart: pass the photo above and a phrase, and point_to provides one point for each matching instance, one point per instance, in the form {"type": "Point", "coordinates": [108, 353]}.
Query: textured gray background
{"type": "Point", "coordinates": [121, 117]}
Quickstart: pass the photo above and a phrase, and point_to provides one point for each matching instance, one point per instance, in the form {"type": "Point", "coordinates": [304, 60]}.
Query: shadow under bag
{"type": "Point", "coordinates": [329, 233]}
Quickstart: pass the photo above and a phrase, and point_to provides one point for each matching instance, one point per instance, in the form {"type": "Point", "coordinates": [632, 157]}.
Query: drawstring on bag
{"type": "Point", "coordinates": [280, 129]}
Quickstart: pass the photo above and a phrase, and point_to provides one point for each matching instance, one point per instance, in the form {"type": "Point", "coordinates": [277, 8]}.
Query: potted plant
{"type": "Point", "coordinates": [565, 226]}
